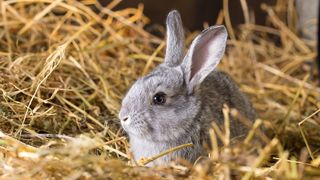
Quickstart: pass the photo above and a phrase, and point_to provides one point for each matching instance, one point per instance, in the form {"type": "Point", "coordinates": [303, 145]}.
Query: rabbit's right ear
{"type": "Point", "coordinates": [204, 55]}
{"type": "Point", "coordinates": [175, 39]}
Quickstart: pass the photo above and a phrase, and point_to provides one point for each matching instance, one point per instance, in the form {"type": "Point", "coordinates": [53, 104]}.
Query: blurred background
{"type": "Point", "coordinates": [195, 13]}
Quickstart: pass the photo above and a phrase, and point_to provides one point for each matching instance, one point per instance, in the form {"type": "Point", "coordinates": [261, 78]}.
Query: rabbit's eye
{"type": "Point", "coordinates": [159, 98]}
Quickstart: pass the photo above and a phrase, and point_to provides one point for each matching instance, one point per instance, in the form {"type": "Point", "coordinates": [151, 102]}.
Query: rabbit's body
{"type": "Point", "coordinates": [176, 103]}
{"type": "Point", "coordinates": [223, 90]}
{"type": "Point", "coordinates": [216, 90]}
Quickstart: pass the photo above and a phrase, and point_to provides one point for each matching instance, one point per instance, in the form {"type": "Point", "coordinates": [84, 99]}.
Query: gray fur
{"type": "Point", "coordinates": [175, 39]}
{"type": "Point", "coordinates": [195, 94]}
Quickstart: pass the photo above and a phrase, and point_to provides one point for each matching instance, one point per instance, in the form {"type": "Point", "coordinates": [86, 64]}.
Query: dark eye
{"type": "Point", "coordinates": [159, 98]}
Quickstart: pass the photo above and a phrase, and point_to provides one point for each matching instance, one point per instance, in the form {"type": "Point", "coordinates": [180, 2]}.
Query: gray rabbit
{"type": "Point", "coordinates": [176, 103]}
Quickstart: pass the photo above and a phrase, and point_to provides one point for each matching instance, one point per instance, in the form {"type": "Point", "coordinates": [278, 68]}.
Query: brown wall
{"type": "Point", "coordinates": [194, 12]}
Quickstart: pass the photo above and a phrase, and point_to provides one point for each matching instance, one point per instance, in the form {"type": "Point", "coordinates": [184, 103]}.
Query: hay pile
{"type": "Point", "coordinates": [64, 69]}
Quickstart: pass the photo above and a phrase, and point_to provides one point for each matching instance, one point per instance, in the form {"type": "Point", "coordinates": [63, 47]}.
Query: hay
{"type": "Point", "coordinates": [65, 68]}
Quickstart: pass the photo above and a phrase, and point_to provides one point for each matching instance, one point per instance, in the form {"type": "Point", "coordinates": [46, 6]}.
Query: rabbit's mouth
{"type": "Point", "coordinates": [136, 127]}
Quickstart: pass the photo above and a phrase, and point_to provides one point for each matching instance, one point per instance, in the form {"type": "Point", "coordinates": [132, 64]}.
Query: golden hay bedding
{"type": "Point", "coordinates": [64, 69]}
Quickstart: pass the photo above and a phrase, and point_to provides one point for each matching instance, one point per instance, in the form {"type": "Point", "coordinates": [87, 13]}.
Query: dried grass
{"type": "Point", "coordinates": [65, 68]}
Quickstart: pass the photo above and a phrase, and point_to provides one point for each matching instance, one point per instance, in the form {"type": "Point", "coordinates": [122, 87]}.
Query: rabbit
{"type": "Point", "coordinates": [176, 103]}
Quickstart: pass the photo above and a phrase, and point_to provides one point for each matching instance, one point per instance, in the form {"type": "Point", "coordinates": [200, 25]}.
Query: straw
{"type": "Point", "coordinates": [64, 69]}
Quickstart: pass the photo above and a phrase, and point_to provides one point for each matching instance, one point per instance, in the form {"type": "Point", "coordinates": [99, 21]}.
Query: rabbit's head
{"type": "Point", "coordinates": [163, 105]}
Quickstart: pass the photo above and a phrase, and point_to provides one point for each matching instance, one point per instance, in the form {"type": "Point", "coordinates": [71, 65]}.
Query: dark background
{"type": "Point", "coordinates": [195, 12]}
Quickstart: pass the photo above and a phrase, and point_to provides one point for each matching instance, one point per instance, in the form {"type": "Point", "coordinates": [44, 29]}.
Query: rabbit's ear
{"type": "Point", "coordinates": [205, 53]}
{"type": "Point", "coordinates": [175, 39]}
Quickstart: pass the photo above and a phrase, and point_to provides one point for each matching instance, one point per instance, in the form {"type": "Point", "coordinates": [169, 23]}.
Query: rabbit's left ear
{"type": "Point", "coordinates": [205, 53]}
{"type": "Point", "coordinates": [175, 39]}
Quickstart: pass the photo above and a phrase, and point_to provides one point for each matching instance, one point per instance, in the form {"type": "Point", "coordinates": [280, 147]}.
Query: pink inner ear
{"type": "Point", "coordinates": [206, 52]}
{"type": "Point", "coordinates": [200, 57]}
